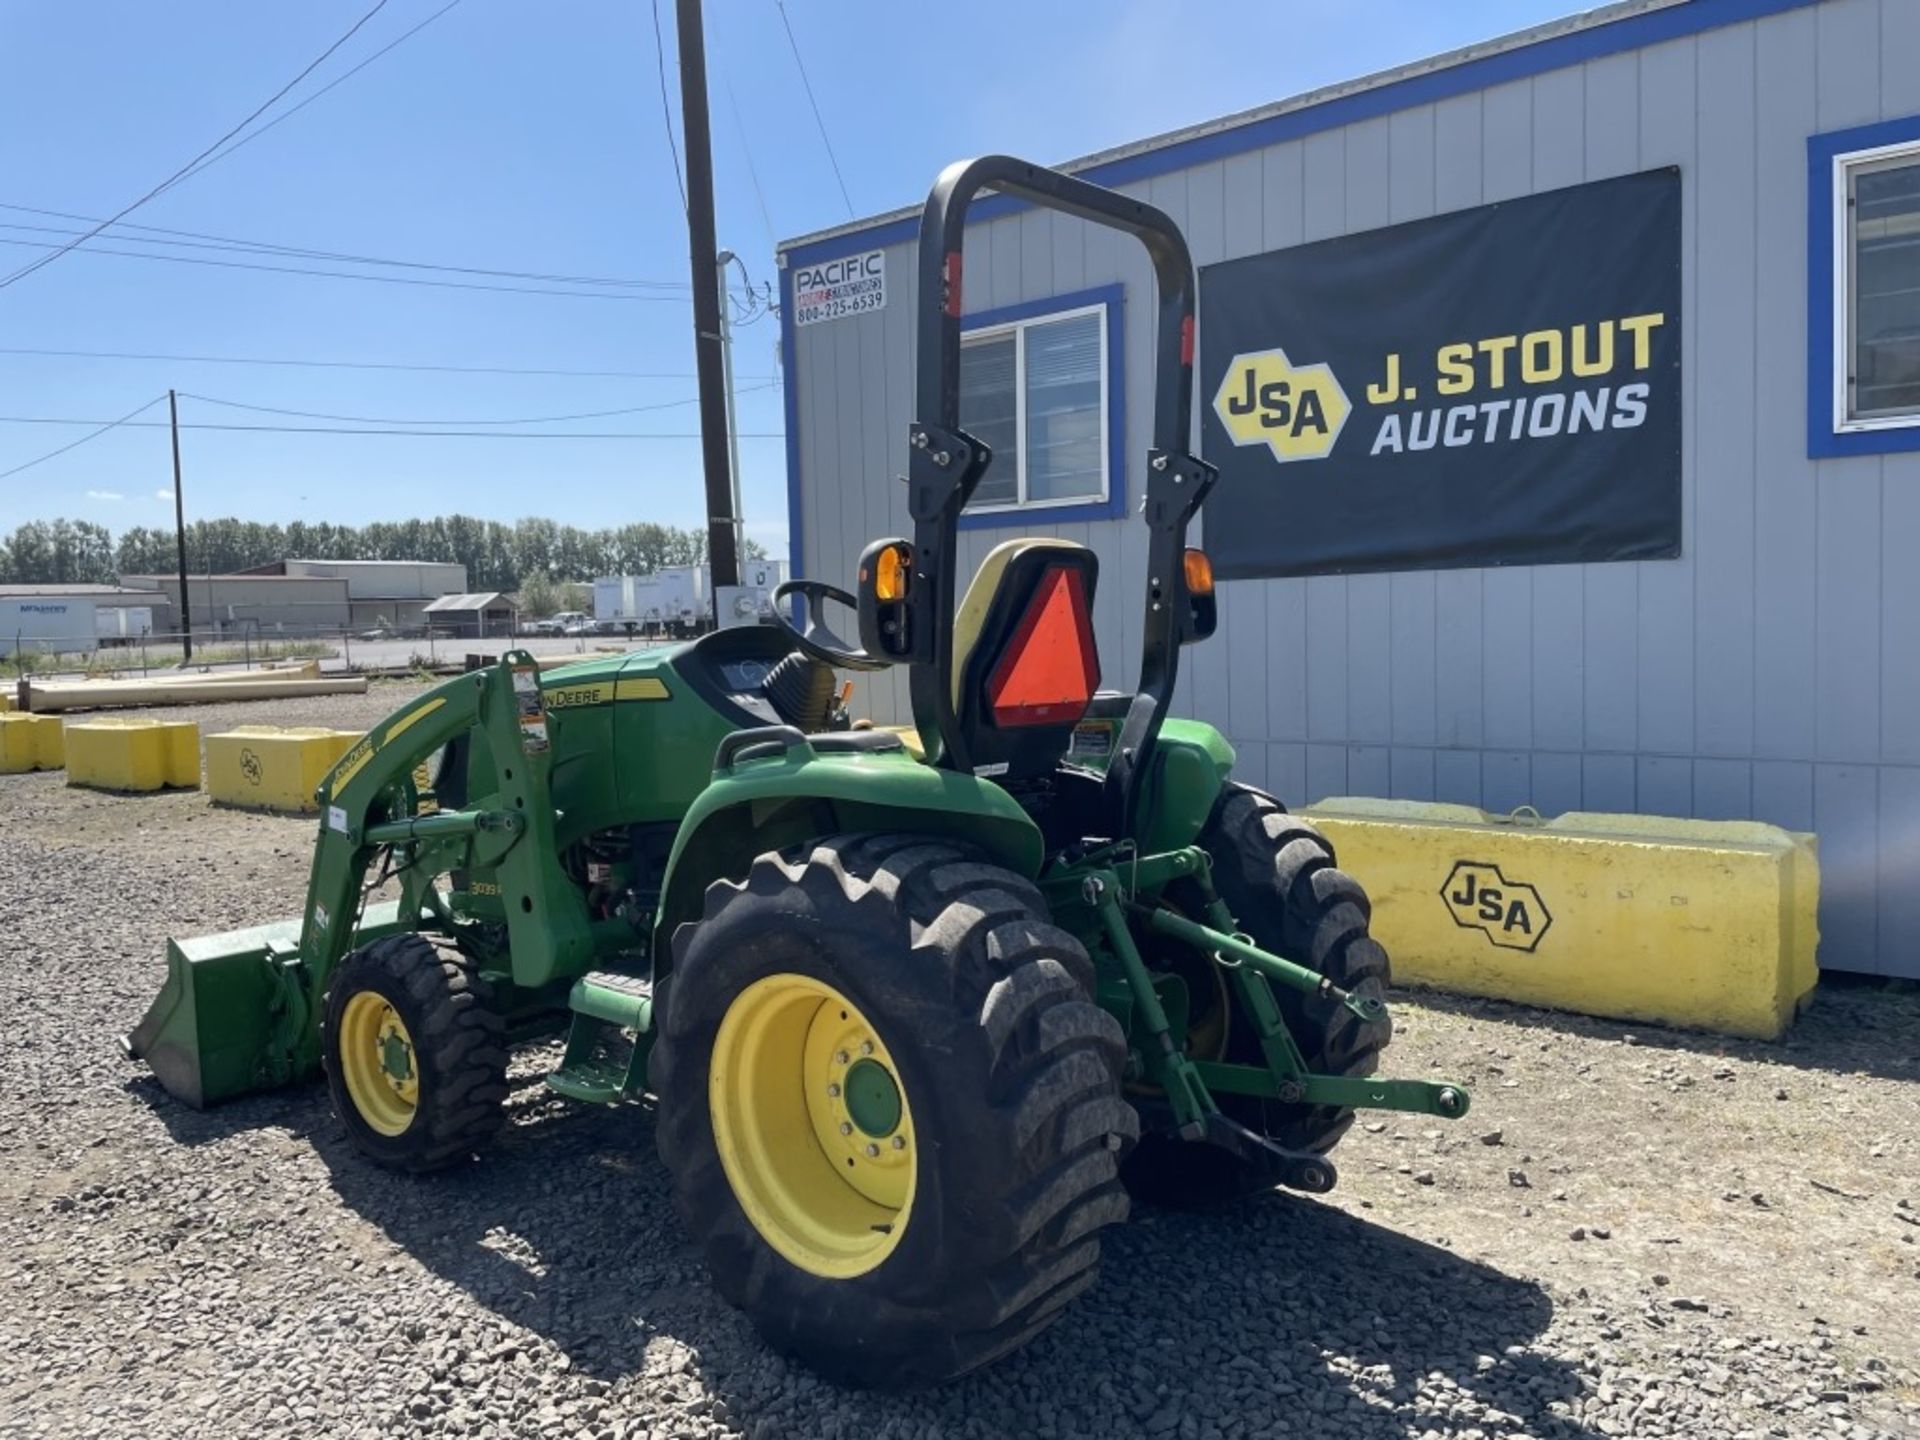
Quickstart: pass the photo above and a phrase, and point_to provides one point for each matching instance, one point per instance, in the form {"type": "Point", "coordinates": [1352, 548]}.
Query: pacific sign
{"type": "Point", "coordinates": [852, 285]}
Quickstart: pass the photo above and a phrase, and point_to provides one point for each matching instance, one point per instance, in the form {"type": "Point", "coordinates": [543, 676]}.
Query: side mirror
{"type": "Point", "coordinates": [886, 615]}
{"type": "Point", "coordinates": [1203, 607]}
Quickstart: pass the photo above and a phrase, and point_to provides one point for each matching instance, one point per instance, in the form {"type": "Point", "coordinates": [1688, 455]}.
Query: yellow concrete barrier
{"type": "Point", "coordinates": [1701, 923]}
{"type": "Point", "coordinates": [120, 753]}
{"type": "Point", "coordinates": [30, 742]}
{"type": "Point", "coordinates": [272, 767]}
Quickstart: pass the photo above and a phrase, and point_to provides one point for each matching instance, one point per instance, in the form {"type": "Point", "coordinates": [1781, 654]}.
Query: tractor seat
{"type": "Point", "coordinates": [1024, 661]}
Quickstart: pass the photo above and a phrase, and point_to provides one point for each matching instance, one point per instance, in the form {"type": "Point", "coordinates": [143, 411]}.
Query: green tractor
{"type": "Point", "coordinates": [918, 1009]}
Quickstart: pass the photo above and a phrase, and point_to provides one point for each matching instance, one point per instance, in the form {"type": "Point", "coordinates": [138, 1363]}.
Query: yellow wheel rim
{"type": "Point", "coordinates": [813, 1126]}
{"type": "Point", "coordinates": [378, 1064]}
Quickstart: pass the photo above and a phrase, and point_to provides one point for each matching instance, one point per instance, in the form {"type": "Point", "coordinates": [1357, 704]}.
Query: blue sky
{"type": "Point", "coordinates": [524, 136]}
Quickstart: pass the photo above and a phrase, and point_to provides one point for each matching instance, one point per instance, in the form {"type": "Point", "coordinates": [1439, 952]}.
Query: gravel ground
{"type": "Point", "coordinates": [1636, 1233]}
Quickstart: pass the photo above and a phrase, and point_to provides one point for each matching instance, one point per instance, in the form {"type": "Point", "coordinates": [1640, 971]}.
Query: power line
{"type": "Point", "coordinates": [179, 174]}
{"type": "Point", "coordinates": [419, 434]}
{"type": "Point", "coordinates": [807, 84]}
{"type": "Point", "coordinates": [76, 444]}
{"type": "Point", "coordinates": [359, 365]}
{"type": "Point", "coordinates": [601, 294]}
{"type": "Point", "coordinates": [395, 420]}
{"type": "Point", "coordinates": [201, 240]}
{"type": "Point", "coordinates": [666, 110]}
{"type": "Point", "coordinates": [766, 215]}
{"type": "Point", "coordinates": [288, 114]}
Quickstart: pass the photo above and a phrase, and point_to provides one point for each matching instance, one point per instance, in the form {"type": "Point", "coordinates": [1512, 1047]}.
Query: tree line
{"type": "Point", "coordinates": [497, 556]}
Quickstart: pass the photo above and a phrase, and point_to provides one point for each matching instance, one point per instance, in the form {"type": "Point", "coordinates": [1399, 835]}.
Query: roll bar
{"type": "Point", "coordinates": [946, 464]}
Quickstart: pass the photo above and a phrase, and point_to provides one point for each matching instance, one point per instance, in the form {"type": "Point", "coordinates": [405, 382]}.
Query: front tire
{"type": "Point", "coordinates": [416, 1059]}
{"type": "Point", "coordinates": [948, 1213]}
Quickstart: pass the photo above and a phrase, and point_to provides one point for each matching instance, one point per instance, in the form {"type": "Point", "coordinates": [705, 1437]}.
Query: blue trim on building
{"type": "Point", "coordinates": [790, 405]}
{"type": "Point", "coordinates": [1556, 52]}
{"type": "Point", "coordinates": [1823, 441]}
{"type": "Point", "coordinates": [1114, 298]}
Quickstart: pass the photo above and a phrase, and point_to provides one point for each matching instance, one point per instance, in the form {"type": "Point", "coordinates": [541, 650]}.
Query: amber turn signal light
{"type": "Point", "coordinates": [891, 574]}
{"type": "Point", "coordinates": [1199, 572]}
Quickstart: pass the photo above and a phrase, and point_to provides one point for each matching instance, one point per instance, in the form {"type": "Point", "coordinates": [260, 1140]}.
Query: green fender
{"type": "Point", "coordinates": [770, 803]}
{"type": "Point", "coordinates": [1192, 761]}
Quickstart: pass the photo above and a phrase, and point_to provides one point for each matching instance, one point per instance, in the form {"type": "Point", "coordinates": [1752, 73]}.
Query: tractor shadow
{"type": "Point", "coordinates": [1275, 1306]}
{"type": "Point", "coordinates": [298, 1110]}
{"type": "Point", "coordinates": [1851, 1025]}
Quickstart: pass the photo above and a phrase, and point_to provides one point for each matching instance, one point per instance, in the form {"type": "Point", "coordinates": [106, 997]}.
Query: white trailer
{"type": "Point", "coordinates": [682, 596]}
{"type": "Point", "coordinates": [751, 601]}
{"type": "Point", "coordinates": [51, 626]}
{"type": "Point", "coordinates": [642, 601]}
{"type": "Point", "coordinates": [123, 623]}
{"type": "Point", "coordinates": [613, 598]}
{"type": "Point", "coordinates": [765, 575]}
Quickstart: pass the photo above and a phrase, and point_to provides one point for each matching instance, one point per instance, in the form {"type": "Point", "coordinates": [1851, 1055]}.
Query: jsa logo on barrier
{"type": "Point", "coordinates": [1510, 912]}
{"type": "Point", "coordinates": [1296, 411]}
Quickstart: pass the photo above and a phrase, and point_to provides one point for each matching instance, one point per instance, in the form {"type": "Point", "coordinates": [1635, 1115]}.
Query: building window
{"type": "Point", "coordinates": [1863, 290]}
{"type": "Point", "coordinates": [1878, 244]}
{"type": "Point", "coordinates": [1036, 389]}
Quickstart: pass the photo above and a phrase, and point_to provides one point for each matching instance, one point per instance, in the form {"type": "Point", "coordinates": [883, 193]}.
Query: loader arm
{"type": "Point", "coordinates": [367, 804]}
{"type": "Point", "coordinates": [241, 1011]}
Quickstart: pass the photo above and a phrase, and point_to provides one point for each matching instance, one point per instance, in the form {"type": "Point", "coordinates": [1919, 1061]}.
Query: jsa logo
{"type": "Point", "coordinates": [1510, 912]}
{"type": "Point", "coordinates": [1295, 411]}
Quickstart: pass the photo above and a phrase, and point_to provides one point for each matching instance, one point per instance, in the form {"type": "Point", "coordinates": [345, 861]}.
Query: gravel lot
{"type": "Point", "coordinates": [1636, 1233]}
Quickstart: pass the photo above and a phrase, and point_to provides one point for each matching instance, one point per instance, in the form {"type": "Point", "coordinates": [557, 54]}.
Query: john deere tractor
{"type": "Point", "coordinates": [918, 1008]}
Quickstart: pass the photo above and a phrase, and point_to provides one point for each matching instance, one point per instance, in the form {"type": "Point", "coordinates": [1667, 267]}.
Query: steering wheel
{"type": "Point", "coordinates": [815, 638]}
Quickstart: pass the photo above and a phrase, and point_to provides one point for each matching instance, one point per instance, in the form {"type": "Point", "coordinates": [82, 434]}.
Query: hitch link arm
{"type": "Point", "coordinates": [1286, 1066]}
{"type": "Point", "coordinates": [1186, 1092]}
{"type": "Point", "coordinates": [1244, 952]}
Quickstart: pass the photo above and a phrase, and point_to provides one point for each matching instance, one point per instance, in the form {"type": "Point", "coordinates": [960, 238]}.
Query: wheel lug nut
{"type": "Point", "coordinates": [866, 1047]}
{"type": "Point", "coordinates": [899, 1142]}
{"type": "Point", "coordinates": [833, 1092]}
{"type": "Point", "coordinates": [846, 1128]}
{"type": "Point", "coordinates": [843, 1057]}
{"type": "Point", "coordinates": [873, 1150]}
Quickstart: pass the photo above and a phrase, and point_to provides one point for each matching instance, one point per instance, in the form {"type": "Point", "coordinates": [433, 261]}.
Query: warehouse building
{"type": "Point", "coordinates": [236, 604]}
{"type": "Point", "coordinates": [391, 593]}
{"type": "Point", "coordinates": [120, 613]}
{"type": "Point", "coordinates": [1566, 396]}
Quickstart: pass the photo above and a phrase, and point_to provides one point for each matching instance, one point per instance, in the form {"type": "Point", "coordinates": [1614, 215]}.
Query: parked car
{"type": "Point", "coordinates": [567, 622]}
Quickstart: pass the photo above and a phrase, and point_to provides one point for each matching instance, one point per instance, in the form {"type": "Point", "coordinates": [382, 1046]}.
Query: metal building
{"type": "Point", "coordinates": [144, 612]}
{"type": "Point", "coordinates": [390, 593]}
{"type": "Point", "coordinates": [238, 604]}
{"type": "Point", "coordinates": [1765, 666]}
{"type": "Point", "coordinates": [471, 616]}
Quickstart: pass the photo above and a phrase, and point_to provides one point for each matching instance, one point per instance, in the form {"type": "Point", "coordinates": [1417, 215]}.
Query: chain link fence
{"type": "Point", "coordinates": [379, 649]}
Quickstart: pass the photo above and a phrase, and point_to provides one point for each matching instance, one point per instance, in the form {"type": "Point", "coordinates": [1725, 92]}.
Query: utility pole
{"type": "Point", "coordinates": [727, 258]}
{"type": "Point", "coordinates": [723, 555]}
{"type": "Point", "coordinates": [180, 527]}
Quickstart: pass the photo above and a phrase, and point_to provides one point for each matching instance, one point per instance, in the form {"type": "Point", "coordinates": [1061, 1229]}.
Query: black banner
{"type": "Point", "coordinates": [1498, 386]}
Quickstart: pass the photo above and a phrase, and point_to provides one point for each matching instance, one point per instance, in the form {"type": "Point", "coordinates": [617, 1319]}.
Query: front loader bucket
{"type": "Point", "coordinates": [233, 1017]}
{"type": "Point", "coordinates": [218, 1028]}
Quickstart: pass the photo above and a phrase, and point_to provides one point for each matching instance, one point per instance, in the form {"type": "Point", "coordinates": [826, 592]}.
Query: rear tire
{"type": "Point", "coordinates": [416, 1059]}
{"type": "Point", "coordinates": [1007, 1080]}
{"type": "Point", "coordinates": [1276, 874]}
